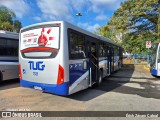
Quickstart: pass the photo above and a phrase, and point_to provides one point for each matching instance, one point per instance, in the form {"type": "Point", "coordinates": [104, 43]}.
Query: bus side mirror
{"type": "Point", "coordinates": [85, 64]}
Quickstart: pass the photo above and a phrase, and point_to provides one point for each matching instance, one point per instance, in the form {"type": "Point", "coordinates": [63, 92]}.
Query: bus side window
{"type": "Point", "coordinates": [12, 46]}
{"type": "Point", "coordinates": [3, 46]}
{"type": "Point", "coordinates": [76, 45]}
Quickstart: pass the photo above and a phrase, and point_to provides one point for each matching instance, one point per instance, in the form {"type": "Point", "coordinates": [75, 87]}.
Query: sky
{"type": "Point", "coordinates": [95, 13]}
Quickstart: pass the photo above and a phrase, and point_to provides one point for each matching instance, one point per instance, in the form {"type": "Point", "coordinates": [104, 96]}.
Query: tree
{"type": "Point", "coordinates": [17, 25]}
{"type": "Point", "coordinates": [136, 15]}
{"type": "Point", "coordinates": [105, 31]}
{"type": "Point", "coordinates": [8, 20]}
{"type": "Point", "coordinates": [137, 21]}
{"type": "Point", "coordinates": [6, 26]}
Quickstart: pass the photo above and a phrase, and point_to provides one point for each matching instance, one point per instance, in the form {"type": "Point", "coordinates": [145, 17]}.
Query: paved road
{"type": "Point", "coordinates": [130, 89]}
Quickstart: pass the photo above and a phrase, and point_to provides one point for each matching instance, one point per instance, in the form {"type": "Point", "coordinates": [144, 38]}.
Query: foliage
{"type": "Point", "coordinates": [17, 25]}
{"type": "Point", "coordinates": [6, 26]}
{"type": "Point", "coordinates": [8, 20]}
{"type": "Point", "coordinates": [137, 21]}
{"type": "Point", "coordinates": [105, 31]}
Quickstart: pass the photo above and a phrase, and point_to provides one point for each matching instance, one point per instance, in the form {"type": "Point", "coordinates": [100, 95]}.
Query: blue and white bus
{"type": "Point", "coordinates": [60, 58]}
{"type": "Point", "coordinates": [155, 60]}
{"type": "Point", "coordinates": [8, 55]}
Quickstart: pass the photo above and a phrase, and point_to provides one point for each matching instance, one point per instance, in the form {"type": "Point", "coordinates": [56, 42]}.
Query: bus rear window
{"type": "Point", "coordinates": [38, 40]}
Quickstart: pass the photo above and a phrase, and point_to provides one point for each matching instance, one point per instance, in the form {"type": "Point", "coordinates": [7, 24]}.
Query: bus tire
{"type": "Point", "coordinates": [100, 78]}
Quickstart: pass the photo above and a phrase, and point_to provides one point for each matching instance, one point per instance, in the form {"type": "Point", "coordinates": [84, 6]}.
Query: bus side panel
{"type": "Point", "coordinates": [9, 67]}
{"type": "Point", "coordinates": [11, 71]}
{"type": "Point", "coordinates": [158, 61]}
{"type": "Point", "coordinates": [158, 69]}
{"type": "Point", "coordinates": [153, 60]}
{"type": "Point", "coordinates": [78, 77]}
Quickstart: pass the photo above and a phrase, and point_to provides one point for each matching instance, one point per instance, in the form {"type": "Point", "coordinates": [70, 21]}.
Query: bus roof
{"type": "Point", "coordinates": [92, 34]}
{"type": "Point", "coordinates": [75, 28]}
{"type": "Point", "coordinates": [7, 34]}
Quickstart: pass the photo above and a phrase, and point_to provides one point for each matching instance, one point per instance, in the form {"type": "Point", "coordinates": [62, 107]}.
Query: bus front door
{"type": "Point", "coordinates": [93, 62]}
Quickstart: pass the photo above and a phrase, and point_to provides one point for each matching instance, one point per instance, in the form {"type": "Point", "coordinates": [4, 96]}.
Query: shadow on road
{"type": "Point", "coordinates": [4, 85]}
{"type": "Point", "coordinates": [110, 83]}
{"type": "Point", "coordinates": [149, 89]}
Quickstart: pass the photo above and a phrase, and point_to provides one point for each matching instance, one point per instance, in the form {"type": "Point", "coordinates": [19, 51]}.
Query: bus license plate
{"type": "Point", "coordinates": [37, 88]}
